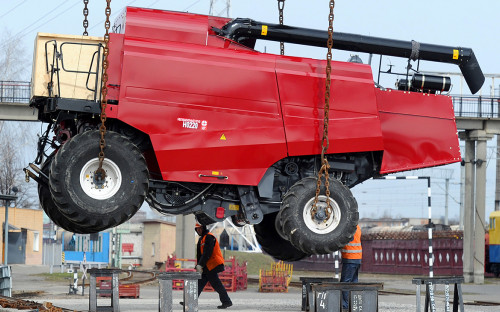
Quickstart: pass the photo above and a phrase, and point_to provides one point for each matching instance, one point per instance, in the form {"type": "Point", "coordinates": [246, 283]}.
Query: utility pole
{"type": "Point", "coordinates": [214, 9]}
{"type": "Point", "coordinates": [7, 199]}
{"type": "Point", "coordinates": [497, 183]}
{"type": "Point", "coordinates": [447, 184]}
{"type": "Point", "coordinates": [462, 195]}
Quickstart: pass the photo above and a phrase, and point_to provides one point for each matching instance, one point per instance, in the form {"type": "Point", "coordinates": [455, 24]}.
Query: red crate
{"type": "Point", "coordinates": [273, 282]}
{"type": "Point", "coordinates": [124, 290]}
{"type": "Point", "coordinates": [233, 278]}
{"type": "Point", "coordinates": [129, 290]}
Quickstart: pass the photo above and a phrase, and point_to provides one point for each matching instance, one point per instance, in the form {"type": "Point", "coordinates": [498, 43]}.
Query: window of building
{"type": "Point", "coordinates": [36, 241]}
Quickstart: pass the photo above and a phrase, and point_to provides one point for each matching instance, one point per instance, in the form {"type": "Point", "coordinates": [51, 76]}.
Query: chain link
{"type": "Point", "coordinates": [325, 166]}
{"type": "Point", "coordinates": [281, 6]}
{"type": "Point", "coordinates": [85, 15]}
{"type": "Point", "coordinates": [100, 173]}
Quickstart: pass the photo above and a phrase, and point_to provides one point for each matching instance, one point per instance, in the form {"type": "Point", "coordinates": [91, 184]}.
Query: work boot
{"type": "Point", "coordinates": [225, 305]}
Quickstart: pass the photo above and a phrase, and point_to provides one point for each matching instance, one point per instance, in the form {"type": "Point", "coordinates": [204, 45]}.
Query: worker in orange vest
{"type": "Point", "coordinates": [351, 261]}
{"type": "Point", "coordinates": [210, 264]}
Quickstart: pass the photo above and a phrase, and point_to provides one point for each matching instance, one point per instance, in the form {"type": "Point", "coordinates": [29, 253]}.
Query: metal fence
{"type": "Point", "coordinates": [15, 91]}
{"type": "Point", "coordinates": [476, 106]}
{"type": "Point", "coordinates": [52, 254]}
{"type": "Point", "coordinates": [465, 106]}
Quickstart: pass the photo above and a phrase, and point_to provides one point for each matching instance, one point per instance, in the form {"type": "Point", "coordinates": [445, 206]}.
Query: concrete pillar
{"type": "Point", "coordinates": [185, 243]}
{"type": "Point", "coordinates": [497, 185]}
{"type": "Point", "coordinates": [474, 207]}
{"type": "Point", "coordinates": [480, 225]}
{"type": "Point", "coordinates": [462, 196]}
{"type": "Point", "coordinates": [468, 240]}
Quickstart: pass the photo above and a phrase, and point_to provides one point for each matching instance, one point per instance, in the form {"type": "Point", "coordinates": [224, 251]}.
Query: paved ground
{"type": "Point", "coordinates": [25, 280]}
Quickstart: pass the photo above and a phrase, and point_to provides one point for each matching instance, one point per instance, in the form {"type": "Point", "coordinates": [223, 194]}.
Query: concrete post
{"type": "Point", "coordinates": [447, 185]}
{"type": "Point", "coordinates": [462, 198]}
{"type": "Point", "coordinates": [468, 240]}
{"type": "Point", "coordinates": [185, 244]}
{"type": "Point", "coordinates": [497, 184]}
{"type": "Point", "coordinates": [480, 225]}
{"type": "Point", "coordinates": [474, 214]}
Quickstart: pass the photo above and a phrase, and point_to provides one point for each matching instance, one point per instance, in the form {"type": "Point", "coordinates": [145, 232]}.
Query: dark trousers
{"type": "Point", "coordinates": [349, 275]}
{"type": "Point", "coordinates": [214, 280]}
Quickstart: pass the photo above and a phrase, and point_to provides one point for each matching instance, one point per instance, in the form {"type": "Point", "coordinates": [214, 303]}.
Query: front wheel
{"type": "Point", "coordinates": [318, 230]}
{"type": "Point", "coordinates": [272, 243]}
{"type": "Point", "coordinates": [88, 201]}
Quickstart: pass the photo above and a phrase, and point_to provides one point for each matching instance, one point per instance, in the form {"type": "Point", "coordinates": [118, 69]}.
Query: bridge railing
{"type": "Point", "coordinates": [476, 106]}
{"type": "Point", "coordinates": [465, 106]}
{"type": "Point", "coordinates": [15, 91]}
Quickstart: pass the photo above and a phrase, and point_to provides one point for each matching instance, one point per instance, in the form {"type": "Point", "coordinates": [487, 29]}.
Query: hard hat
{"type": "Point", "coordinates": [198, 225]}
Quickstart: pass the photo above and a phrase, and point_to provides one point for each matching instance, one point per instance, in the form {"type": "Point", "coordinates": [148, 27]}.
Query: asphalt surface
{"type": "Point", "coordinates": [28, 285]}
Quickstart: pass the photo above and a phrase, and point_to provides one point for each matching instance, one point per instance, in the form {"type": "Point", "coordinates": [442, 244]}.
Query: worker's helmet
{"type": "Point", "coordinates": [198, 225]}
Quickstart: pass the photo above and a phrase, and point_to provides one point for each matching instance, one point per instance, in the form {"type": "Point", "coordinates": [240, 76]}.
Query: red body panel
{"type": "Point", "coordinates": [213, 107]}
{"type": "Point", "coordinates": [354, 123]}
{"type": "Point", "coordinates": [419, 130]}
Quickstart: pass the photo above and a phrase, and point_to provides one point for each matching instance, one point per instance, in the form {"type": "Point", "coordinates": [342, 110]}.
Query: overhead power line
{"type": "Point", "coordinates": [21, 33]}
{"type": "Point", "coordinates": [18, 5]}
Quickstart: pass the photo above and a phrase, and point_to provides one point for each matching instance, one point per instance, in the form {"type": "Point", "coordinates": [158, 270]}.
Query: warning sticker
{"type": "Point", "coordinates": [264, 30]}
{"type": "Point", "coordinates": [193, 123]}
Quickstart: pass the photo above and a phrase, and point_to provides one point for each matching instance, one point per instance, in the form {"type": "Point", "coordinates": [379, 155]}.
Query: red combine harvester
{"type": "Point", "coordinates": [199, 122]}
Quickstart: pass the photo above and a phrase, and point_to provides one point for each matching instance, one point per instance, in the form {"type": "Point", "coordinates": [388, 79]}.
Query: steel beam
{"type": "Point", "coordinates": [18, 112]}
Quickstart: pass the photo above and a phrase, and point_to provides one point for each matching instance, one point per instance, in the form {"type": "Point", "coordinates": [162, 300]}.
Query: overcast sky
{"type": "Point", "coordinates": [473, 24]}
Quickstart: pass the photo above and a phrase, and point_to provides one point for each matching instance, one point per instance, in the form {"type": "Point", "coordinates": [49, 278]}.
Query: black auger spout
{"type": "Point", "coordinates": [246, 30]}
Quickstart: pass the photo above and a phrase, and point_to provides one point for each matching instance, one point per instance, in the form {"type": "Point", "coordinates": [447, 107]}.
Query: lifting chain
{"type": "Point", "coordinates": [325, 166]}
{"type": "Point", "coordinates": [100, 174]}
{"type": "Point", "coordinates": [85, 14]}
{"type": "Point", "coordinates": [281, 6]}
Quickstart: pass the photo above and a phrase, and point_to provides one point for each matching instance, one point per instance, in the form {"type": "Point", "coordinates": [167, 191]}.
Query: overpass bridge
{"type": "Point", "coordinates": [14, 97]}
{"type": "Point", "coordinates": [477, 119]}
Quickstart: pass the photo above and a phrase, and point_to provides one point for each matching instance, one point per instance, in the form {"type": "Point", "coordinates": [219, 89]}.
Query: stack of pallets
{"type": "Point", "coordinates": [277, 279]}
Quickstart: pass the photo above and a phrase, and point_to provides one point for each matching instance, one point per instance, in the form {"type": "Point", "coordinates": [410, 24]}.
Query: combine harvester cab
{"type": "Point", "coordinates": [199, 122]}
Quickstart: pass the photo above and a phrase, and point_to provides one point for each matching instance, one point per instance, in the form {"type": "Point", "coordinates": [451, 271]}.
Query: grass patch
{"type": "Point", "coordinates": [255, 261]}
{"type": "Point", "coordinates": [58, 277]}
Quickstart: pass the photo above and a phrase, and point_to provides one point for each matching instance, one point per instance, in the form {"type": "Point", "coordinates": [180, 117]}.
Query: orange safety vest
{"type": "Point", "coordinates": [353, 250]}
{"type": "Point", "coordinates": [216, 257]}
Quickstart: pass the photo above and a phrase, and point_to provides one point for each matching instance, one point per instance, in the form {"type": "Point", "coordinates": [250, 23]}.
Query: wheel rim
{"type": "Point", "coordinates": [321, 225]}
{"type": "Point", "coordinates": [112, 182]}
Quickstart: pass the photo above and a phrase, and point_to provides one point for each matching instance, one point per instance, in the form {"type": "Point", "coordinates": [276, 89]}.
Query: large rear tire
{"type": "Point", "coordinates": [85, 201]}
{"type": "Point", "coordinates": [318, 232]}
{"type": "Point", "coordinates": [273, 244]}
{"type": "Point", "coordinates": [51, 209]}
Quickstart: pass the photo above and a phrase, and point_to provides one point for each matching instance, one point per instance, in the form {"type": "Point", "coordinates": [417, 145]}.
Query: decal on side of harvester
{"type": "Point", "coordinates": [455, 54]}
{"type": "Point", "coordinates": [234, 207]}
{"type": "Point", "coordinates": [223, 137]}
{"type": "Point", "coordinates": [193, 123]}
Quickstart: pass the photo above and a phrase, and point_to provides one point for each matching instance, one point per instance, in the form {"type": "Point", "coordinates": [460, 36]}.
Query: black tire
{"type": "Point", "coordinates": [273, 244]}
{"type": "Point", "coordinates": [313, 236]}
{"type": "Point", "coordinates": [51, 209]}
{"type": "Point", "coordinates": [73, 188]}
